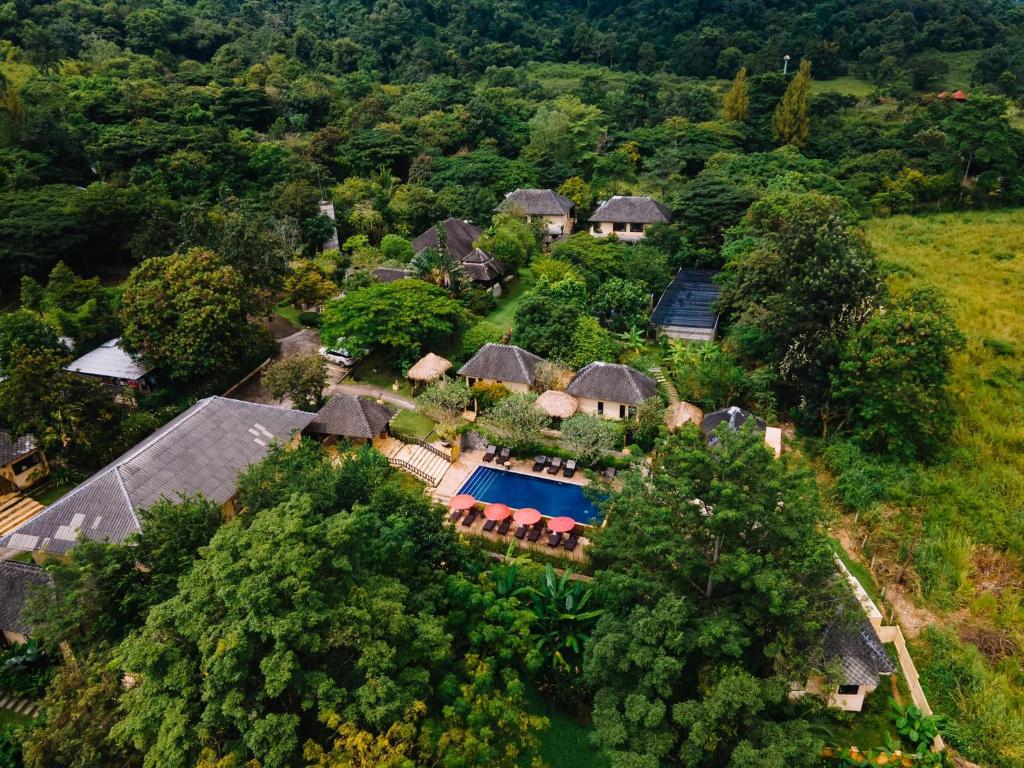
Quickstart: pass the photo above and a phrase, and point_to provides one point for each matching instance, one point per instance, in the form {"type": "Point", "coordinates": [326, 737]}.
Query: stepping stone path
{"type": "Point", "coordinates": [669, 387]}
{"type": "Point", "coordinates": [22, 706]}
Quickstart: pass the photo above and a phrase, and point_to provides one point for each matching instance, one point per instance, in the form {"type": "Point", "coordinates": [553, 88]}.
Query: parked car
{"type": "Point", "coordinates": [339, 354]}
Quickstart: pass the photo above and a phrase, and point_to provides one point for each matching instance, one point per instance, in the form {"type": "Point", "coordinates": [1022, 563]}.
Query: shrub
{"type": "Point", "coordinates": [863, 480]}
{"type": "Point", "coordinates": [478, 301]}
{"type": "Point", "coordinates": [489, 394]}
{"type": "Point", "coordinates": [477, 335]}
{"type": "Point", "coordinates": [310, 319]}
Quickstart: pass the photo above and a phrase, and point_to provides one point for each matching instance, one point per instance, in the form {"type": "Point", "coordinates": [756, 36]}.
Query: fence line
{"type": "Point", "coordinates": [248, 377]}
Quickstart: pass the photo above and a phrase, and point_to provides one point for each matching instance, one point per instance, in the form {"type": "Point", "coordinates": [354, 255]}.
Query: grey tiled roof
{"type": "Point", "coordinates": [689, 301]}
{"type": "Point", "coordinates": [734, 416]}
{"type": "Point", "coordinates": [110, 361]}
{"type": "Point", "coordinates": [390, 274]}
{"type": "Point", "coordinates": [461, 236]}
{"type": "Point", "coordinates": [350, 416]}
{"type": "Point", "coordinates": [502, 362]}
{"type": "Point", "coordinates": [200, 451]}
{"type": "Point", "coordinates": [481, 267]}
{"type": "Point", "coordinates": [613, 383]}
{"type": "Point", "coordinates": [536, 202]}
{"type": "Point", "coordinates": [625, 209]}
{"type": "Point", "coordinates": [17, 580]}
{"type": "Point", "coordinates": [13, 449]}
{"type": "Point", "coordinates": [855, 644]}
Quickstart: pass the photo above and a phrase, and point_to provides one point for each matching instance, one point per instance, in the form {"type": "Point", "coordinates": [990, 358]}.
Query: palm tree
{"type": "Point", "coordinates": [563, 624]}
{"type": "Point", "coordinates": [633, 340]}
{"type": "Point", "coordinates": [437, 268]}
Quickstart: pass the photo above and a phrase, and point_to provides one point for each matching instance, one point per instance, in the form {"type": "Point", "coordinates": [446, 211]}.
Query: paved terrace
{"type": "Point", "coordinates": [460, 471]}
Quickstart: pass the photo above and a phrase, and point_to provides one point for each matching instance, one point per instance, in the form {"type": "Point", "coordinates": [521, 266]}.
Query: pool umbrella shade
{"type": "Point", "coordinates": [462, 501]}
{"type": "Point", "coordinates": [527, 516]}
{"type": "Point", "coordinates": [496, 511]}
{"type": "Point", "coordinates": [561, 524]}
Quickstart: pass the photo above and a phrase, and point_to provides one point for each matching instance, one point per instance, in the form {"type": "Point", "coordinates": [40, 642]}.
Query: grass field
{"type": "Point", "coordinates": [507, 304]}
{"type": "Point", "coordinates": [412, 423]}
{"type": "Point", "coordinates": [977, 260]}
{"type": "Point", "coordinates": [849, 85]}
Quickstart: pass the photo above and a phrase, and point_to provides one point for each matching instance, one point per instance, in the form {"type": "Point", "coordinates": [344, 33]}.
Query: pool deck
{"type": "Point", "coordinates": [464, 466]}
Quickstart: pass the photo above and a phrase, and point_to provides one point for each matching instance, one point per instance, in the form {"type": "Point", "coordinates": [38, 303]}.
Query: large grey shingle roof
{"type": "Point", "coordinates": [12, 449]}
{"type": "Point", "coordinates": [624, 209]}
{"type": "Point", "coordinates": [536, 202]}
{"type": "Point", "coordinates": [613, 383]}
{"type": "Point", "coordinates": [17, 580]}
{"type": "Point", "coordinates": [502, 362]}
{"type": "Point", "coordinates": [200, 451]}
{"type": "Point", "coordinates": [461, 236]}
{"type": "Point", "coordinates": [350, 416]}
{"type": "Point", "coordinates": [855, 644]}
{"type": "Point", "coordinates": [110, 361]}
{"type": "Point", "coordinates": [689, 302]}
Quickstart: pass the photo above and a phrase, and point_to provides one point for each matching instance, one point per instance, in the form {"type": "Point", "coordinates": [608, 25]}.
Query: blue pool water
{"type": "Point", "coordinates": [551, 497]}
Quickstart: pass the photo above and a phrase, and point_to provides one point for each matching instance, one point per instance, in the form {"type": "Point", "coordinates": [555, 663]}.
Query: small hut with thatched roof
{"type": "Point", "coordinates": [678, 414]}
{"type": "Point", "coordinates": [428, 368]}
{"type": "Point", "coordinates": [557, 405]}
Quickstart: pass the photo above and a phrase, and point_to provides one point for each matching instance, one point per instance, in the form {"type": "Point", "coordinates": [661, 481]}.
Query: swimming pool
{"type": "Point", "coordinates": [551, 497]}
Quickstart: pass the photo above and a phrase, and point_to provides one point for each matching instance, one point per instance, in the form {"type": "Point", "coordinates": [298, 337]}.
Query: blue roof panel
{"type": "Point", "coordinates": [689, 301]}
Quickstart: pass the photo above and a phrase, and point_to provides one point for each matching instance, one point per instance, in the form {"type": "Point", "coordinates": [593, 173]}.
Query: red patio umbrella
{"type": "Point", "coordinates": [561, 524]}
{"type": "Point", "coordinates": [496, 511]}
{"type": "Point", "coordinates": [462, 501]}
{"type": "Point", "coordinates": [527, 516]}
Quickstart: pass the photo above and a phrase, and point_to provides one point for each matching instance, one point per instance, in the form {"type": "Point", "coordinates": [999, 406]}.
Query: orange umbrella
{"type": "Point", "coordinates": [561, 524]}
{"type": "Point", "coordinates": [496, 511]}
{"type": "Point", "coordinates": [527, 516]}
{"type": "Point", "coordinates": [462, 501]}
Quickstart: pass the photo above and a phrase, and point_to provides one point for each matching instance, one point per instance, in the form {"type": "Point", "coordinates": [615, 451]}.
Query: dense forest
{"type": "Point", "coordinates": [162, 167]}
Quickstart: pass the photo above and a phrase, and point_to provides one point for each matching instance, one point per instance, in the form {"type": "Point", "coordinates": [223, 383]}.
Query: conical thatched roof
{"type": "Point", "coordinates": [429, 367]}
{"type": "Point", "coordinates": [557, 404]}
{"type": "Point", "coordinates": [678, 414]}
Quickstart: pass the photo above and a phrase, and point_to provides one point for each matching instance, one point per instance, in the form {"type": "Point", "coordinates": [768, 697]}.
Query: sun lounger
{"type": "Point", "coordinates": [489, 525]}
{"type": "Point", "coordinates": [535, 532]}
{"type": "Point", "coordinates": [570, 468]}
{"type": "Point", "coordinates": [489, 453]}
{"type": "Point", "coordinates": [539, 463]}
{"type": "Point", "coordinates": [521, 531]}
{"type": "Point", "coordinates": [609, 473]}
{"type": "Point", "coordinates": [504, 454]}
{"type": "Point", "coordinates": [556, 464]}
{"type": "Point", "coordinates": [571, 542]}
{"type": "Point", "coordinates": [505, 524]}
{"type": "Point", "coordinates": [455, 515]}
{"type": "Point", "coordinates": [469, 519]}
{"type": "Point", "coordinates": [554, 539]}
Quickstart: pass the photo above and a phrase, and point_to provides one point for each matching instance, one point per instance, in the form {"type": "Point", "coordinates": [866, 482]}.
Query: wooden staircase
{"type": "Point", "coordinates": [19, 705]}
{"type": "Point", "coordinates": [418, 460]}
{"type": "Point", "coordinates": [666, 384]}
{"type": "Point", "coordinates": [16, 509]}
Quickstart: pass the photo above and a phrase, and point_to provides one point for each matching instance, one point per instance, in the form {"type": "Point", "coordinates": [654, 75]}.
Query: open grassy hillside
{"type": "Point", "coordinates": [953, 531]}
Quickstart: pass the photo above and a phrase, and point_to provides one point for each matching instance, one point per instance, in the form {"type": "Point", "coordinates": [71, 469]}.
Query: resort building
{"type": "Point", "coordinates": [627, 217]}
{"type": "Point", "coordinates": [352, 418]}
{"type": "Point", "coordinates": [512, 367]}
{"type": "Point", "coordinates": [201, 451]}
{"type": "Point", "coordinates": [735, 417]}
{"type": "Point", "coordinates": [460, 238]}
{"type": "Point", "coordinates": [687, 308]}
{"type": "Point", "coordinates": [610, 390]}
{"type": "Point", "coordinates": [555, 212]}
{"type": "Point", "coordinates": [111, 365]}
{"type": "Point", "coordinates": [17, 580]}
{"type": "Point", "coordinates": [22, 463]}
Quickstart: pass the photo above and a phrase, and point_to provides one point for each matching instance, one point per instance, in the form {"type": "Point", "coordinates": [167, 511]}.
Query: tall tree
{"type": "Point", "coordinates": [791, 123]}
{"type": "Point", "coordinates": [187, 314]}
{"type": "Point", "coordinates": [736, 103]}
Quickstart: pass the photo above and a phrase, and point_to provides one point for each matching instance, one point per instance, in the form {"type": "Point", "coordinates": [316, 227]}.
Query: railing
{"type": "Point", "coordinates": [422, 444]}
{"type": "Point", "coordinates": [412, 470]}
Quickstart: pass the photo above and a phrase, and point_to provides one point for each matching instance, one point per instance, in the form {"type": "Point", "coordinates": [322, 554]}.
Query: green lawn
{"type": "Point", "coordinates": [289, 313]}
{"type": "Point", "coordinates": [566, 743]}
{"type": "Point", "coordinates": [412, 423]}
{"type": "Point", "coordinates": [377, 370]}
{"type": "Point", "coordinates": [852, 86]}
{"type": "Point", "coordinates": [507, 304]}
{"type": "Point", "coordinates": [862, 574]}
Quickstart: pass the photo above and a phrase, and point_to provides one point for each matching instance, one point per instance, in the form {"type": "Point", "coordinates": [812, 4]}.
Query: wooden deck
{"type": "Point", "coordinates": [15, 509]}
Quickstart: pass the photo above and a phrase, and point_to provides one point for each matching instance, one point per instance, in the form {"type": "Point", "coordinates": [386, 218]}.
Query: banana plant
{"type": "Point", "coordinates": [563, 621]}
